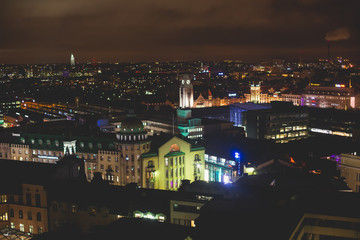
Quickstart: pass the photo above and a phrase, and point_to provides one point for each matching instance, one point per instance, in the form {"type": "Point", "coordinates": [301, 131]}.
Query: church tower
{"type": "Point", "coordinates": [186, 92]}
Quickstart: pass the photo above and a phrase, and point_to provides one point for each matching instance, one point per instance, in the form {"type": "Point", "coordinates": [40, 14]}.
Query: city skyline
{"type": "Point", "coordinates": [155, 30]}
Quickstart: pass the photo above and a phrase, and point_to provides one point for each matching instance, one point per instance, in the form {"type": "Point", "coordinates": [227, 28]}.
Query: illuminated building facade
{"type": "Point", "coordinates": [255, 93]}
{"type": "Point", "coordinates": [132, 141]}
{"type": "Point", "coordinates": [25, 211]}
{"type": "Point", "coordinates": [202, 102]}
{"type": "Point", "coordinates": [99, 154]}
{"type": "Point", "coordinates": [296, 99]}
{"type": "Point", "coordinates": [281, 123]}
{"type": "Point", "coordinates": [256, 96]}
{"type": "Point", "coordinates": [219, 169]}
{"type": "Point", "coordinates": [171, 160]}
{"type": "Point", "coordinates": [186, 92]}
{"type": "Point", "coordinates": [338, 97]}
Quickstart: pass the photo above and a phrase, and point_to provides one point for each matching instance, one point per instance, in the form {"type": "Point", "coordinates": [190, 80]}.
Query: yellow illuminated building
{"type": "Point", "coordinates": [174, 160]}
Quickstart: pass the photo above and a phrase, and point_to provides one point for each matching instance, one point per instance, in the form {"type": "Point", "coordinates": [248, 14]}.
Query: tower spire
{"type": "Point", "coordinates": [72, 60]}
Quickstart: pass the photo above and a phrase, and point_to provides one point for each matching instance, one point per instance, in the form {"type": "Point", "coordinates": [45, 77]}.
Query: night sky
{"type": "Point", "coordinates": [47, 31]}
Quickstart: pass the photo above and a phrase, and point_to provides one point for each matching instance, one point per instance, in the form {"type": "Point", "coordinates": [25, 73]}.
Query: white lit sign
{"type": "Point", "coordinates": [318, 130]}
{"type": "Point", "coordinates": [48, 157]}
{"type": "Point", "coordinates": [324, 131]}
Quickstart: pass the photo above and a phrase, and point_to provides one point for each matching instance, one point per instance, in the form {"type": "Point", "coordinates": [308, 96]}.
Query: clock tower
{"type": "Point", "coordinates": [186, 92]}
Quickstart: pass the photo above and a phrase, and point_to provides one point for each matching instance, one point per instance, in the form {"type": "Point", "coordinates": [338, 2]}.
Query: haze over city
{"type": "Point", "coordinates": [47, 31]}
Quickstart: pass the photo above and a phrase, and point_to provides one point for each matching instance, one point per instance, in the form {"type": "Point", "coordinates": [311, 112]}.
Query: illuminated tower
{"type": "Point", "coordinates": [255, 93]}
{"type": "Point", "coordinates": [186, 92]}
{"type": "Point", "coordinates": [72, 60]}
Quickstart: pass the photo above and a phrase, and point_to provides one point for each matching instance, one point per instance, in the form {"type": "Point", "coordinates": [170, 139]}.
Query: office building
{"type": "Point", "coordinates": [282, 123]}
{"type": "Point", "coordinates": [237, 110]}
{"type": "Point", "coordinates": [338, 97]}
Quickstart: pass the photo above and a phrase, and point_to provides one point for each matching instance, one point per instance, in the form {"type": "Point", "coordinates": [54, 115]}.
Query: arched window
{"type": "Point", "coordinates": [150, 163]}
{"type": "Point", "coordinates": [38, 216]}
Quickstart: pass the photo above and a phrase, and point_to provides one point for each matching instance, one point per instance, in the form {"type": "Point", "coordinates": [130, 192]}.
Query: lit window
{"type": "Point", "coordinates": [22, 227]}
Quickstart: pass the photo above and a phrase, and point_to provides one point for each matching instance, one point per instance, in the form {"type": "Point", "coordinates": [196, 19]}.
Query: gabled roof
{"type": "Point", "coordinates": [159, 140]}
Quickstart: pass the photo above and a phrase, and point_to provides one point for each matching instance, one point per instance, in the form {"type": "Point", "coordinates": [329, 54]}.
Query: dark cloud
{"type": "Point", "coordinates": [48, 30]}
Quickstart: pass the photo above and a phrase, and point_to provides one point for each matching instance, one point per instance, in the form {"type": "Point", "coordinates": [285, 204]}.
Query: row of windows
{"type": "Point", "coordinates": [195, 136]}
{"type": "Point", "coordinates": [184, 222]}
{"type": "Point", "coordinates": [293, 128]}
{"type": "Point", "coordinates": [20, 151]}
{"type": "Point", "coordinates": [132, 157]}
{"type": "Point", "coordinates": [126, 147]}
{"type": "Point", "coordinates": [30, 230]}
{"type": "Point", "coordinates": [57, 143]}
{"type": "Point", "coordinates": [132, 137]}
{"type": "Point", "coordinates": [287, 135]}
{"type": "Point", "coordinates": [109, 158]}
{"type": "Point", "coordinates": [28, 199]}
{"type": "Point", "coordinates": [174, 161]}
{"type": "Point", "coordinates": [177, 172]}
{"type": "Point", "coordinates": [29, 215]}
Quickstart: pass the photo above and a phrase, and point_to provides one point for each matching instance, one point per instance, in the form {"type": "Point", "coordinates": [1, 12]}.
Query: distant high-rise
{"type": "Point", "coordinates": [72, 60]}
{"type": "Point", "coordinates": [186, 92]}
